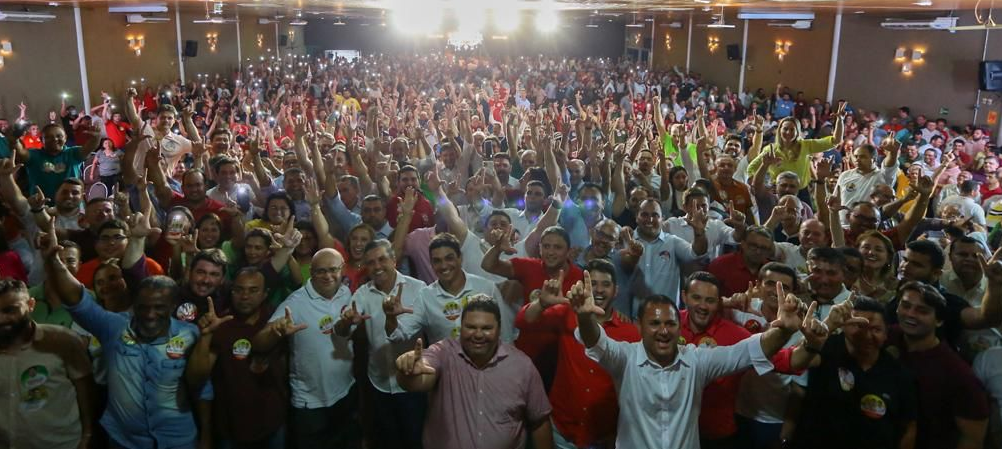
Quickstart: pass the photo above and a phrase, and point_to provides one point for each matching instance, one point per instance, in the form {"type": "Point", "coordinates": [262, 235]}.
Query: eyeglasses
{"type": "Point", "coordinates": [323, 271]}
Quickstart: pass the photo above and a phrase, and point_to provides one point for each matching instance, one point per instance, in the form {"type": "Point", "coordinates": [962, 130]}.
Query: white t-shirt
{"type": "Point", "coordinates": [173, 147]}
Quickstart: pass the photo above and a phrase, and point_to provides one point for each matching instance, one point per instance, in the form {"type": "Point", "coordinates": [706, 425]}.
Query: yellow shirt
{"type": "Point", "coordinates": [798, 163]}
{"type": "Point", "coordinates": [901, 189]}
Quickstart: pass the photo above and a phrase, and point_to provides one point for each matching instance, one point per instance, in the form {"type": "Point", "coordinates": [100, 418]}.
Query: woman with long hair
{"type": "Point", "coordinates": [878, 278]}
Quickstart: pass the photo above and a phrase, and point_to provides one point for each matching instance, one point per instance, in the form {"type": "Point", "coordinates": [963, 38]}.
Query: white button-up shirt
{"type": "Point", "coordinates": [437, 312]}
{"type": "Point", "coordinates": [383, 352]}
{"type": "Point", "coordinates": [659, 406]}
{"type": "Point", "coordinates": [658, 269]}
{"type": "Point", "coordinates": [320, 370]}
{"type": "Point", "coordinates": [718, 234]}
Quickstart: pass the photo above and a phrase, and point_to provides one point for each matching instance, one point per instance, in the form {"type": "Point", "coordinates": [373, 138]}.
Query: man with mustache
{"type": "Point", "coordinates": [47, 395]}
{"type": "Point", "coordinates": [206, 276]}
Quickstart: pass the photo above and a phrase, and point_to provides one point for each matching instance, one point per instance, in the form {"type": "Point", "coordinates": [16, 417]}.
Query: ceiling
{"type": "Point", "coordinates": [372, 8]}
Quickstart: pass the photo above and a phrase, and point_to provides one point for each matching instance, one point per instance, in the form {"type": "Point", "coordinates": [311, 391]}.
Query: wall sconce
{"type": "Point", "coordinates": [906, 68]}
{"type": "Point", "coordinates": [917, 55]}
{"type": "Point", "coordinates": [260, 40]}
{"type": "Point", "coordinates": [136, 44]}
{"type": "Point", "coordinates": [1, 62]}
{"type": "Point", "coordinates": [782, 49]}
{"type": "Point", "coordinates": [712, 43]}
{"type": "Point", "coordinates": [212, 39]}
{"type": "Point", "coordinates": [292, 34]}
{"type": "Point", "coordinates": [899, 54]}
{"type": "Point", "coordinates": [667, 42]}
{"type": "Point", "coordinates": [5, 48]}
{"type": "Point", "coordinates": [636, 39]}
{"type": "Point", "coordinates": [908, 61]}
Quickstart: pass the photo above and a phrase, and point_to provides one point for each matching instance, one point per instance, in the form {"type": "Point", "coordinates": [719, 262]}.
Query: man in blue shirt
{"type": "Point", "coordinates": [48, 167]}
{"type": "Point", "coordinates": [146, 352]}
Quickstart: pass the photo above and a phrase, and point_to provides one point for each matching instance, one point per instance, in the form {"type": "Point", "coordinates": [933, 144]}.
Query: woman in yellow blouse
{"type": "Point", "coordinates": [794, 152]}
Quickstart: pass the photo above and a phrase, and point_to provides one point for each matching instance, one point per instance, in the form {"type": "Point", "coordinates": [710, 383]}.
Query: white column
{"type": "Point", "coordinates": [744, 58]}
{"type": "Point", "coordinates": [82, 57]}
{"type": "Point", "coordinates": [650, 60]}
{"type": "Point", "coordinates": [688, 44]}
{"type": "Point", "coordinates": [278, 53]}
{"type": "Point", "coordinates": [833, 67]}
{"type": "Point", "coordinates": [240, 58]}
{"type": "Point", "coordinates": [180, 53]}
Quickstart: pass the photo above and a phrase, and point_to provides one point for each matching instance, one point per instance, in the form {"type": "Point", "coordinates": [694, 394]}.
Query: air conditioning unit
{"type": "Point", "coordinates": [266, 21]}
{"type": "Point", "coordinates": [797, 24]}
{"type": "Point", "coordinates": [747, 14]}
{"type": "Point", "coordinates": [214, 20]}
{"type": "Point", "coordinates": [24, 16]}
{"type": "Point", "coordinates": [139, 18]}
{"type": "Point", "coordinates": [138, 8]}
{"type": "Point", "coordinates": [939, 23]}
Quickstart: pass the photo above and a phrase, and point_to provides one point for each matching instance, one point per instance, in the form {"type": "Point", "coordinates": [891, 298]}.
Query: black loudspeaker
{"type": "Point", "coordinates": [190, 49]}
{"type": "Point", "coordinates": [733, 52]}
{"type": "Point", "coordinates": [283, 40]}
{"type": "Point", "coordinates": [990, 75]}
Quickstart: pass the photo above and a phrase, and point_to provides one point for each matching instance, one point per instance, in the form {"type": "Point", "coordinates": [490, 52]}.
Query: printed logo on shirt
{"type": "Point", "coordinates": [49, 167]}
{"type": "Point", "coordinates": [753, 326]}
{"type": "Point", "coordinates": [455, 332]}
{"type": "Point", "coordinates": [127, 338]}
{"type": "Point", "coordinates": [176, 347]}
{"type": "Point", "coordinates": [35, 395]}
{"type": "Point", "coordinates": [452, 310]}
{"type": "Point", "coordinates": [187, 312]}
{"type": "Point", "coordinates": [241, 349]}
{"type": "Point", "coordinates": [326, 324]}
{"type": "Point", "coordinates": [665, 254]}
{"type": "Point", "coordinates": [707, 342]}
{"type": "Point", "coordinates": [873, 406]}
{"type": "Point", "coordinates": [681, 340]}
{"type": "Point", "coordinates": [34, 377]}
{"type": "Point", "coordinates": [851, 187]}
{"type": "Point", "coordinates": [846, 380]}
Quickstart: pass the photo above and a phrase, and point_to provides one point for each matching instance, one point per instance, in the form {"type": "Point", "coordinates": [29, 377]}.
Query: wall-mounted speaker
{"type": "Point", "coordinates": [190, 49]}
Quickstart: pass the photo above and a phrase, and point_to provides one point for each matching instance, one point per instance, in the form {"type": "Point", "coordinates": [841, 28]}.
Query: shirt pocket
{"type": "Point", "coordinates": [172, 369]}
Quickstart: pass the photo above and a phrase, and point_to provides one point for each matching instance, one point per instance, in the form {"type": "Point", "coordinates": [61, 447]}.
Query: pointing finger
{"type": "Point", "coordinates": [288, 314]}
{"type": "Point", "coordinates": [212, 307]}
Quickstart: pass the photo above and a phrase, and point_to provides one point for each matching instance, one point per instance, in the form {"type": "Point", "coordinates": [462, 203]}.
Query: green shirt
{"type": "Point", "coordinates": [44, 313]}
{"type": "Point", "coordinates": [798, 162]}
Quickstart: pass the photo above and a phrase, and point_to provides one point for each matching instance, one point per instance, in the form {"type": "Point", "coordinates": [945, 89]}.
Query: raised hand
{"type": "Point", "coordinates": [502, 238]}
{"type": "Point", "coordinates": [209, 322]}
{"type": "Point", "coordinates": [581, 298]}
{"type": "Point", "coordinates": [47, 241]}
{"type": "Point", "coordinates": [352, 316]}
{"type": "Point", "coordinates": [741, 300]}
{"type": "Point", "coordinates": [410, 200]}
{"type": "Point", "coordinates": [992, 267]}
{"type": "Point", "coordinates": [815, 332]}
{"type": "Point", "coordinates": [697, 219]}
{"type": "Point", "coordinates": [37, 200]}
{"type": "Point", "coordinates": [834, 201]}
{"type": "Point", "coordinates": [630, 245]}
{"type": "Point", "coordinates": [770, 158]}
{"type": "Point", "coordinates": [736, 218]}
{"type": "Point", "coordinates": [8, 167]}
{"type": "Point", "coordinates": [393, 306]}
{"type": "Point", "coordinates": [139, 225]}
{"type": "Point", "coordinates": [411, 363]}
{"type": "Point", "coordinates": [840, 315]}
{"type": "Point", "coordinates": [285, 326]}
{"type": "Point", "coordinates": [550, 295]}
{"type": "Point", "coordinates": [311, 192]}
{"type": "Point", "coordinates": [788, 317]}
{"type": "Point", "coordinates": [924, 186]}
{"type": "Point", "coordinates": [822, 168]}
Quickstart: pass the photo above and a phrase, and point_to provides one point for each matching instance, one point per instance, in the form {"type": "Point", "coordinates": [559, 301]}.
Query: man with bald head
{"type": "Point", "coordinates": [318, 319]}
{"type": "Point", "coordinates": [813, 234]}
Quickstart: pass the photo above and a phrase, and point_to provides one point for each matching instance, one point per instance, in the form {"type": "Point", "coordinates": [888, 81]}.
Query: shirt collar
{"type": "Point", "coordinates": [313, 294]}
{"type": "Point", "coordinates": [440, 291]}
{"type": "Point", "coordinates": [500, 354]}
{"type": "Point", "coordinates": [645, 360]}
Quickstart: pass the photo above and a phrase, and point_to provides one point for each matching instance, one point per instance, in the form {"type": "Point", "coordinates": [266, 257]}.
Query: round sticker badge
{"type": "Point", "coordinates": [845, 379]}
{"type": "Point", "coordinates": [187, 312]}
{"type": "Point", "coordinates": [241, 349]}
{"type": "Point", "coordinates": [873, 406]}
{"type": "Point", "coordinates": [452, 311]}
{"type": "Point", "coordinates": [326, 324]}
{"type": "Point", "coordinates": [34, 377]}
{"type": "Point", "coordinates": [176, 347]}
{"type": "Point", "coordinates": [708, 342]}
{"type": "Point", "coordinates": [753, 326]}
{"type": "Point", "coordinates": [34, 399]}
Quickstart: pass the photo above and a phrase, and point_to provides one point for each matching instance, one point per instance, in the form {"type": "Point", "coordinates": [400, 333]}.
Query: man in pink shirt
{"type": "Point", "coordinates": [482, 394]}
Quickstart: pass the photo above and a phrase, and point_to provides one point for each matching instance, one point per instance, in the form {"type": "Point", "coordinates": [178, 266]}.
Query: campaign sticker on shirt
{"type": "Point", "coordinates": [665, 254]}
{"type": "Point", "coordinates": [845, 379]}
{"type": "Point", "coordinates": [681, 340]}
{"type": "Point", "coordinates": [34, 377]}
{"type": "Point", "coordinates": [455, 332]}
{"type": "Point", "coordinates": [452, 311]}
{"type": "Point", "coordinates": [187, 312]}
{"type": "Point", "coordinates": [127, 338]}
{"type": "Point", "coordinates": [34, 399]}
{"type": "Point", "coordinates": [176, 347]}
{"type": "Point", "coordinates": [753, 326]}
{"type": "Point", "coordinates": [241, 349]}
{"type": "Point", "coordinates": [707, 342]}
{"type": "Point", "coordinates": [873, 406]}
{"type": "Point", "coordinates": [326, 324]}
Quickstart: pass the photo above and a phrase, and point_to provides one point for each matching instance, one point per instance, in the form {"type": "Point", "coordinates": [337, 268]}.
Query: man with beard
{"type": "Point", "coordinates": [660, 382]}
{"type": "Point", "coordinates": [206, 275]}
{"type": "Point", "coordinates": [923, 261]}
{"type": "Point", "coordinates": [719, 233]}
{"type": "Point", "coordinates": [858, 394]}
{"type": "Point", "coordinates": [172, 147]}
{"type": "Point", "coordinates": [193, 195]}
{"type": "Point", "coordinates": [438, 306]}
{"type": "Point", "coordinates": [146, 354]}
{"type": "Point", "coordinates": [249, 405]}
{"type": "Point", "coordinates": [69, 197]}
{"type": "Point", "coordinates": [424, 213]}
{"type": "Point", "coordinates": [373, 212]}
{"type": "Point", "coordinates": [491, 384]}
{"type": "Point", "coordinates": [966, 279]}
{"type": "Point", "coordinates": [952, 405]}
{"type": "Point", "coordinates": [739, 268]}
{"type": "Point", "coordinates": [583, 396]}
{"type": "Point", "coordinates": [48, 392]}
{"type": "Point", "coordinates": [864, 216]}
{"type": "Point", "coordinates": [826, 278]}
{"type": "Point", "coordinates": [388, 294]}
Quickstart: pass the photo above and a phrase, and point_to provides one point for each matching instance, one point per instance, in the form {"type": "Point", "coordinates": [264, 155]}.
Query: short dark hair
{"type": "Point", "coordinates": [9, 285]}
{"type": "Point", "coordinates": [219, 161]}
{"type": "Point", "coordinates": [446, 240]}
{"type": "Point", "coordinates": [702, 276]}
{"type": "Point", "coordinates": [850, 252]}
{"type": "Point", "coordinates": [930, 296]}
{"type": "Point", "coordinates": [481, 303]}
{"type": "Point", "coordinates": [379, 243]}
{"type": "Point", "coordinates": [828, 255]}
{"type": "Point", "coordinates": [250, 271]}
{"type": "Point", "coordinates": [931, 250]}
{"type": "Point", "coordinates": [408, 168]}
{"type": "Point", "coordinates": [781, 268]}
{"type": "Point", "coordinates": [214, 256]}
{"type": "Point", "coordinates": [692, 193]}
{"type": "Point", "coordinates": [968, 187]}
{"type": "Point", "coordinates": [72, 181]}
{"type": "Point", "coordinates": [867, 304]}
{"type": "Point", "coordinates": [99, 199]}
{"type": "Point", "coordinates": [966, 239]}
{"type": "Point", "coordinates": [657, 299]}
{"type": "Point", "coordinates": [69, 244]}
{"type": "Point", "coordinates": [501, 155]}
{"type": "Point", "coordinates": [159, 282]}
{"type": "Point", "coordinates": [602, 266]}
{"type": "Point", "coordinates": [114, 223]}
{"type": "Point", "coordinates": [559, 231]}
{"type": "Point", "coordinates": [499, 213]}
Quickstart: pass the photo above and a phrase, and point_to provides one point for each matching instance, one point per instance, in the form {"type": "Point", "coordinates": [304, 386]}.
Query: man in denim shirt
{"type": "Point", "coordinates": [146, 352]}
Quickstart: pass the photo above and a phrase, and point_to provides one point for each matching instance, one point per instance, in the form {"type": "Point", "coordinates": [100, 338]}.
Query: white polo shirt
{"type": "Point", "coordinates": [437, 312]}
{"type": "Point", "coordinates": [383, 352]}
{"type": "Point", "coordinates": [320, 367]}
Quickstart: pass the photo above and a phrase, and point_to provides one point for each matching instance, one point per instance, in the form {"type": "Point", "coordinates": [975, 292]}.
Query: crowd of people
{"type": "Point", "coordinates": [458, 251]}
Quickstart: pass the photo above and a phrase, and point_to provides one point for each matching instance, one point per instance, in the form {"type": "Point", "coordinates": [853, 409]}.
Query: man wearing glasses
{"type": "Point", "coordinates": [320, 369]}
{"type": "Point", "coordinates": [738, 269]}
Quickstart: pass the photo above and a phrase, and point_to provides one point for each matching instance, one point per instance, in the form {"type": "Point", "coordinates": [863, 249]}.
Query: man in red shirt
{"type": "Point", "coordinates": [583, 397]}
{"type": "Point", "coordinates": [117, 130]}
{"type": "Point", "coordinates": [702, 324]}
{"type": "Point", "coordinates": [424, 213]}
{"type": "Point", "coordinates": [553, 263]}
{"type": "Point", "coordinates": [739, 268]}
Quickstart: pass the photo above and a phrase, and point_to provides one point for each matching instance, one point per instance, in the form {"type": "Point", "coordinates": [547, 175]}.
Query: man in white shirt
{"type": "Point", "coordinates": [857, 184]}
{"type": "Point", "coordinates": [437, 311]}
{"type": "Point", "coordinates": [660, 384]}
{"type": "Point", "coordinates": [401, 414]}
{"type": "Point", "coordinates": [719, 233]}
{"type": "Point", "coordinates": [173, 147]}
{"type": "Point", "coordinates": [966, 202]}
{"type": "Point", "coordinates": [320, 369]}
